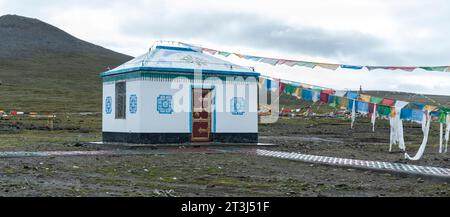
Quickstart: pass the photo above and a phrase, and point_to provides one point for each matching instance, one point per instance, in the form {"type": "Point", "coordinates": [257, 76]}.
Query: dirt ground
{"type": "Point", "coordinates": [218, 174]}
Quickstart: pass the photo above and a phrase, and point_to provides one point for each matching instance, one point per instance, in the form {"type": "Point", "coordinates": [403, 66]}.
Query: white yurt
{"type": "Point", "coordinates": [177, 94]}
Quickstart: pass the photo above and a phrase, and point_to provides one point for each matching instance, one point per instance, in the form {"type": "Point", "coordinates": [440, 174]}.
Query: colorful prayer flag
{"type": "Point", "coordinates": [307, 95]}
{"type": "Point", "coordinates": [287, 62]}
{"type": "Point", "coordinates": [430, 108]}
{"type": "Point", "coordinates": [223, 53]}
{"type": "Point", "coordinates": [270, 61]}
{"type": "Point", "coordinates": [352, 95]}
{"type": "Point", "coordinates": [364, 97]}
{"type": "Point", "coordinates": [328, 66]}
{"type": "Point", "coordinates": [281, 87]}
{"type": "Point", "coordinates": [376, 100]}
{"type": "Point", "coordinates": [384, 110]}
{"type": "Point", "coordinates": [211, 51]}
{"type": "Point", "coordinates": [306, 64]}
{"type": "Point", "coordinates": [404, 68]}
{"type": "Point", "coordinates": [351, 67]}
{"type": "Point", "coordinates": [362, 107]}
{"type": "Point", "coordinates": [388, 102]}
{"type": "Point", "coordinates": [298, 92]}
{"type": "Point", "coordinates": [435, 68]}
{"type": "Point", "coordinates": [289, 89]}
{"type": "Point", "coordinates": [324, 97]}
{"type": "Point", "coordinates": [253, 58]}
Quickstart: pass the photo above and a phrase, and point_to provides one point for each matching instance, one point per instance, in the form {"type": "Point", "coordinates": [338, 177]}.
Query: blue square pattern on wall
{"type": "Point", "coordinates": [164, 104]}
{"type": "Point", "coordinates": [108, 105]}
{"type": "Point", "coordinates": [237, 106]}
{"type": "Point", "coordinates": [133, 104]}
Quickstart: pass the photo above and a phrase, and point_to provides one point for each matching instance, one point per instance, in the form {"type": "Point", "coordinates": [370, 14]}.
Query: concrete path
{"type": "Point", "coordinates": [436, 172]}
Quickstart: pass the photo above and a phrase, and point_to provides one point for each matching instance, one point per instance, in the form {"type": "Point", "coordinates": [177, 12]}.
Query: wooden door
{"type": "Point", "coordinates": [201, 115]}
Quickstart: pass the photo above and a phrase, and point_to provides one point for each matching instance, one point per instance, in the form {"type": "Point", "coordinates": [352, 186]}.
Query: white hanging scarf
{"type": "Point", "coordinates": [397, 127]}
{"type": "Point", "coordinates": [441, 134]}
{"type": "Point", "coordinates": [315, 95]}
{"type": "Point", "coordinates": [374, 117]}
{"type": "Point", "coordinates": [426, 130]}
{"type": "Point", "coordinates": [353, 113]}
{"type": "Point", "coordinates": [340, 93]}
{"type": "Point", "coordinates": [447, 132]}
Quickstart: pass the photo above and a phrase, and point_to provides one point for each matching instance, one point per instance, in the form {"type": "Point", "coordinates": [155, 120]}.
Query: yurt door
{"type": "Point", "coordinates": [201, 115]}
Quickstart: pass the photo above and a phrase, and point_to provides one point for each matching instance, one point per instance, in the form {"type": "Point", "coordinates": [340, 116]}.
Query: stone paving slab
{"type": "Point", "coordinates": [438, 172]}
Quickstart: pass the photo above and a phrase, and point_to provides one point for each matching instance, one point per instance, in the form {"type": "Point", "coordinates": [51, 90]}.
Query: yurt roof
{"type": "Point", "coordinates": [176, 59]}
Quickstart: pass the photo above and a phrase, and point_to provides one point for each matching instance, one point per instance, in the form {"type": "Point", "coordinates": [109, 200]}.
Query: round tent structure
{"type": "Point", "coordinates": [177, 94]}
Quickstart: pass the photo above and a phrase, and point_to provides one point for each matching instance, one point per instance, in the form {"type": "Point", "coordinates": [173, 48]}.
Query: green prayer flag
{"type": "Point", "coordinates": [442, 117]}
{"type": "Point", "coordinates": [435, 68]}
{"type": "Point", "coordinates": [306, 64]}
{"type": "Point", "coordinates": [225, 54]}
{"type": "Point", "coordinates": [289, 89]}
{"type": "Point", "coordinates": [383, 110]}
{"type": "Point", "coordinates": [334, 103]}
{"type": "Point", "coordinates": [376, 100]}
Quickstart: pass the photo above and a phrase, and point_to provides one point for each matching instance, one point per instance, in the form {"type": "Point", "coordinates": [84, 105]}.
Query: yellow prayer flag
{"type": "Point", "coordinates": [344, 103]}
{"type": "Point", "coordinates": [364, 97]}
{"type": "Point", "coordinates": [430, 108]}
{"type": "Point", "coordinates": [298, 92]}
{"type": "Point", "coordinates": [328, 66]}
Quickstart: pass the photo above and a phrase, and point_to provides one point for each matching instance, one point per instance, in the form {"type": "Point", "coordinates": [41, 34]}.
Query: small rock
{"type": "Point", "coordinates": [420, 180]}
{"type": "Point", "coordinates": [75, 167]}
{"type": "Point", "coordinates": [145, 170]}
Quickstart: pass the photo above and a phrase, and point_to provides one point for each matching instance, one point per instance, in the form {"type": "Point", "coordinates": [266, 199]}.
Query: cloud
{"type": "Point", "coordinates": [362, 32]}
{"type": "Point", "coordinates": [252, 30]}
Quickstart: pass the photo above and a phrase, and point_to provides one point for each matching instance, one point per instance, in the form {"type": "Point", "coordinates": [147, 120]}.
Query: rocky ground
{"type": "Point", "coordinates": [180, 173]}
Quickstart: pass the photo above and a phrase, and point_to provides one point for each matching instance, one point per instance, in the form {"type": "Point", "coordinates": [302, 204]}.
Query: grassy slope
{"type": "Point", "coordinates": [54, 83]}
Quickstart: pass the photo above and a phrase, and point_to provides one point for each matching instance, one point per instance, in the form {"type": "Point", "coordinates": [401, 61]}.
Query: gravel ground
{"type": "Point", "coordinates": [232, 174]}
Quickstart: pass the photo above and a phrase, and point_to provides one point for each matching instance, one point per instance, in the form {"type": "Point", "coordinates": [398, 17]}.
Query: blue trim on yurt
{"type": "Point", "coordinates": [175, 48]}
{"type": "Point", "coordinates": [185, 70]}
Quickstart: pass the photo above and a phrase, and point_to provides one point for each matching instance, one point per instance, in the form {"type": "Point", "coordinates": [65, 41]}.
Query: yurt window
{"type": "Point", "coordinates": [121, 93]}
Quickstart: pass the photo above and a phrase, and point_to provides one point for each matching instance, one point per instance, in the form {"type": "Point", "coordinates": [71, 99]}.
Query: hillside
{"type": "Point", "coordinates": [43, 68]}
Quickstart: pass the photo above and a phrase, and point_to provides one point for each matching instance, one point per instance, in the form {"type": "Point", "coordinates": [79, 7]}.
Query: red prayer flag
{"type": "Point", "coordinates": [388, 102]}
{"type": "Point", "coordinates": [211, 51]}
{"type": "Point", "coordinates": [281, 87]}
{"type": "Point", "coordinates": [287, 62]}
{"type": "Point", "coordinates": [328, 91]}
{"type": "Point", "coordinates": [324, 97]}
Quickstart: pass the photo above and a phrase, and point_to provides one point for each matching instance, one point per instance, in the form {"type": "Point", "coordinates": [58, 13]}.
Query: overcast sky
{"type": "Point", "coordinates": [361, 32]}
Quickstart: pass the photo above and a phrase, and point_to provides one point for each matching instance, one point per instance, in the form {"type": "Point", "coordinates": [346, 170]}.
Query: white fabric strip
{"type": "Point", "coordinates": [422, 147]}
{"type": "Point", "coordinates": [340, 93]}
{"type": "Point", "coordinates": [441, 134]}
{"type": "Point", "coordinates": [353, 113]}
{"type": "Point", "coordinates": [447, 132]}
{"type": "Point", "coordinates": [397, 127]}
{"type": "Point", "coordinates": [374, 117]}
